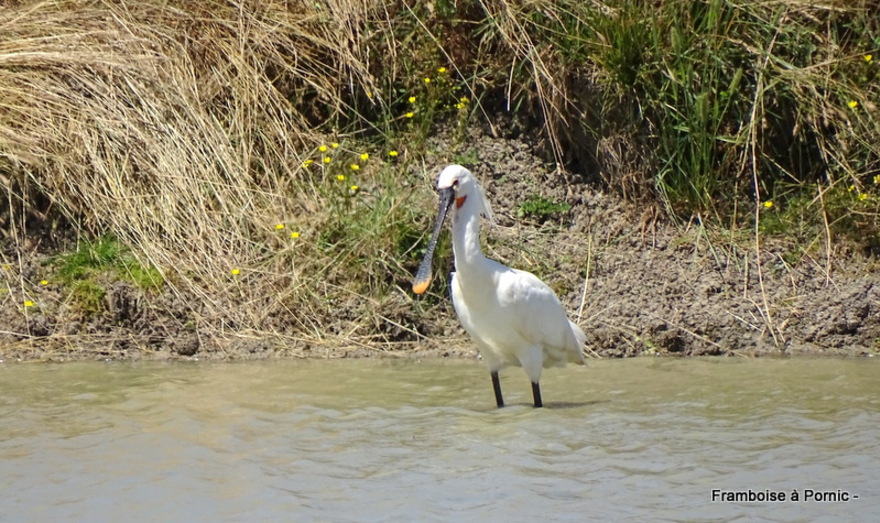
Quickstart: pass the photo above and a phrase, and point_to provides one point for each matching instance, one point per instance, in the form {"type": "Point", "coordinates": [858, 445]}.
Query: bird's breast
{"type": "Point", "coordinates": [480, 311]}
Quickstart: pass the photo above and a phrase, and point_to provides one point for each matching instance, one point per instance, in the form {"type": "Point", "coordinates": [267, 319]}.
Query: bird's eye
{"type": "Point", "coordinates": [455, 184]}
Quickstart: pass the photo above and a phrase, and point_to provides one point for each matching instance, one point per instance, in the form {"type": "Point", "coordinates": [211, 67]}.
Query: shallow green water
{"type": "Point", "coordinates": [391, 441]}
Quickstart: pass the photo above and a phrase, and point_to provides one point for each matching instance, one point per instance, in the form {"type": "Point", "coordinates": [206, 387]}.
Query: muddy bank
{"type": "Point", "coordinates": [636, 283]}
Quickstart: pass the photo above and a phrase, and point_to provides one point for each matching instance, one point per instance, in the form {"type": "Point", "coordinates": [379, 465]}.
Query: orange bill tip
{"type": "Point", "coordinates": [420, 286]}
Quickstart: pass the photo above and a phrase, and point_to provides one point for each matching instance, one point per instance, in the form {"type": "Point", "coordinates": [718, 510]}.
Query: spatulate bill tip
{"type": "Point", "coordinates": [421, 285]}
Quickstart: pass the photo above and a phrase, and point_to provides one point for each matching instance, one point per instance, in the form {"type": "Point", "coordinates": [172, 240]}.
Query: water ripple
{"type": "Point", "coordinates": [421, 441]}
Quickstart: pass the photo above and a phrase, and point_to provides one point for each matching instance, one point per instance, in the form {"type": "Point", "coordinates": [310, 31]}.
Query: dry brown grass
{"type": "Point", "coordinates": [165, 124]}
{"type": "Point", "coordinates": [181, 128]}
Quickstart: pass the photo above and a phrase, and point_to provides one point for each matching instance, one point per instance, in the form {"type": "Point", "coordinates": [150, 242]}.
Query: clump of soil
{"type": "Point", "coordinates": [637, 284]}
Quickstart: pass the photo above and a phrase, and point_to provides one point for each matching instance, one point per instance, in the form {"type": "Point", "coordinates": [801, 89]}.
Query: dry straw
{"type": "Point", "coordinates": [169, 124]}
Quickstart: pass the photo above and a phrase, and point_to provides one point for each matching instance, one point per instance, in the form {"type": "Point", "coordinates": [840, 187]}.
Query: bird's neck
{"type": "Point", "coordinates": [466, 238]}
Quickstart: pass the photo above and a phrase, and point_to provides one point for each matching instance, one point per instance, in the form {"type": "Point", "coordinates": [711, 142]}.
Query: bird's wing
{"type": "Point", "coordinates": [541, 318]}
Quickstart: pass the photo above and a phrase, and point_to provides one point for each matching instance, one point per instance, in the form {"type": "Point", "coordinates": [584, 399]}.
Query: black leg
{"type": "Point", "coordinates": [536, 392]}
{"type": "Point", "coordinates": [496, 385]}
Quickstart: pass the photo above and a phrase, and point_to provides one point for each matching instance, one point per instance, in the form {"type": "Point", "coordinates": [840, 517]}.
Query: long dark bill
{"type": "Point", "coordinates": [423, 276]}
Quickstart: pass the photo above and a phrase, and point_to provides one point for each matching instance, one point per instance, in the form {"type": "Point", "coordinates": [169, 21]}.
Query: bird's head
{"type": "Point", "coordinates": [458, 189]}
{"type": "Point", "coordinates": [457, 184]}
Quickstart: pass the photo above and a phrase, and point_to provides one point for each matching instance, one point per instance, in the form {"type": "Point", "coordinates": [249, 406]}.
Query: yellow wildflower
{"type": "Point", "coordinates": [410, 114]}
{"type": "Point", "coordinates": [235, 272]}
{"type": "Point", "coordinates": [768, 204]}
{"type": "Point", "coordinates": [323, 148]}
{"type": "Point", "coordinates": [853, 104]}
{"type": "Point", "coordinates": [279, 226]}
{"type": "Point", "coordinates": [863, 196]}
{"type": "Point", "coordinates": [464, 100]}
{"type": "Point", "coordinates": [412, 99]}
{"type": "Point", "coordinates": [44, 282]}
{"type": "Point", "coordinates": [28, 303]}
{"type": "Point", "coordinates": [294, 235]}
{"type": "Point", "coordinates": [308, 162]}
{"type": "Point", "coordinates": [355, 167]}
{"type": "Point", "coordinates": [392, 153]}
{"type": "Point", "coordinates": [340, 177]}
{"type": "Point", "coordinates": [326, 159]}
{"type": "Point", "coordinates": [868, 57]}
{"type": "Point", "coordinates": [370, 94]}
{"type": "Point", "coordinates": [459, 105]}
{"type": "Point", "coordinates": [441, 70]}
{"type": "Point", "coordinates": [877, 180]}
{"type": "Point", "coordinates": [354, 188]}
{"type": "Point", "coordinates": [427, 80]}
{"type": "Point", "coordinates": [851, 188]}
{"type": "Point", "coordinates": [334, 145]}
{"type": "Point", "coordinates": [365, 156]}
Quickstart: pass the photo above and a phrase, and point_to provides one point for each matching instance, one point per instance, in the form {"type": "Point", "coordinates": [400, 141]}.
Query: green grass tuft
{"type": "Point", "coordinates": [540, 208]}
{"type": "Point", "coordinates": [88, 270]}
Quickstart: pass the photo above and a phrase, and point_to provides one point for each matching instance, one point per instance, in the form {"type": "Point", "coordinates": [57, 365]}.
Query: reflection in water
{"type": "Point", "coordinates": [366, 440]}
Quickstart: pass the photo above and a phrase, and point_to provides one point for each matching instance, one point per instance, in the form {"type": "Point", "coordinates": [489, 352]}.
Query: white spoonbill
{"type": "Point", "coordinates": [513, 317]}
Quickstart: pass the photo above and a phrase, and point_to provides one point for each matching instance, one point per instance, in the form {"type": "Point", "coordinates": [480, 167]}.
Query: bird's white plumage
{"type": "Point", "coordinates": [513, 317]}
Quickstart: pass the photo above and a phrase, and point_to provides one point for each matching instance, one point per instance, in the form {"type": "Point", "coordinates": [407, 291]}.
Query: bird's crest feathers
{"type": "Point", "coordinates": [486, 210]}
